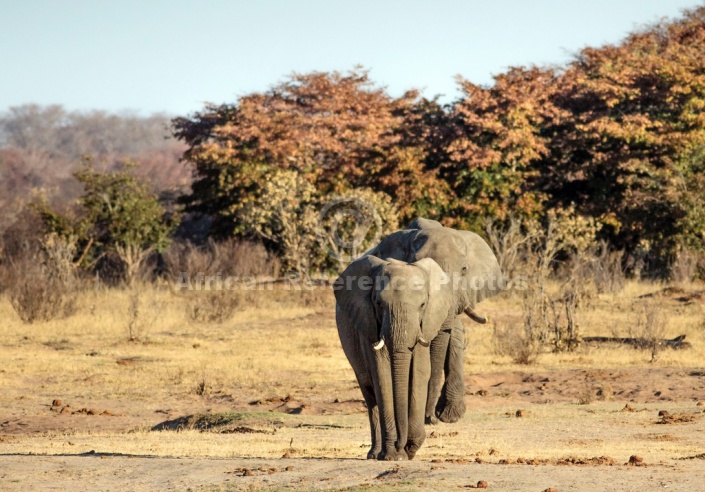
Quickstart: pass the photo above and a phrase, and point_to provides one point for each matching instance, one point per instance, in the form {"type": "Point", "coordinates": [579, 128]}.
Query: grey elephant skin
{"type": "Point", "coordinates": [475, 275]}
{"type": "Point", "coordinates": [387, 313]}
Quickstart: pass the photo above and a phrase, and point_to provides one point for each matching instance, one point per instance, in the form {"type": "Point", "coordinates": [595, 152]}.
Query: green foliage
{"type": "Point", "coordinates": [122, 211]}
{"type": "Point", "coordinates": [115, 214]}
{"type": "Point", "coordinates": [313, 231]}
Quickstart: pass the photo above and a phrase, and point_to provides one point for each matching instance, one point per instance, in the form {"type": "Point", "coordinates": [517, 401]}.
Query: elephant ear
{"type": "Point", "coordinates": [353, 294]}
{"type": "Point", "coordinates": [440, 298]}
{"type": "Point", "coordinates": [484, 274]}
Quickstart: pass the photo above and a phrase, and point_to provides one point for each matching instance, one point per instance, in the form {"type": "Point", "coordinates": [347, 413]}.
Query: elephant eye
{"type": "Point", "coordinates": [423, 305]}
{"type": "Point", "coordinates": [464, 271]}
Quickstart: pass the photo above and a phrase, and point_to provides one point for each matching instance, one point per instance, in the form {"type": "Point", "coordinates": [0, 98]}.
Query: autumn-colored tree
{"type": "Point", "coordinates": [631, 151]}
{"type": "Point", "coordinates": [502, 135]}
{"type": "Point", "coordinates": [337, 130]}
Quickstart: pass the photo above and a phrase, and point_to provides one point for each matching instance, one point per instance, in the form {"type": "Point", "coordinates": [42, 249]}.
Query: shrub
{"type": "Point", "coordinates": [514, 338]}
{"type": "Point", "coordinates": [143, 310]}
{"type": "Point", "coordinates": [214, 306]}
{"type": "Point", "coordinates": [648, 326]}
{"type": "Point", "coordinates": [229, 258]}
{"type": "Point", "coordinates": [606, 269]}
{"type": "Point", "coordinates": [549, 319]}
{"type": "Point", "coordinates": [38, 296]}
{"type": "Point", "coordinates": [684, 266]}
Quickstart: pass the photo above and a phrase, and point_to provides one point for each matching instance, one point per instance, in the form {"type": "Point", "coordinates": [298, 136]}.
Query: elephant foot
{"type": "Point", "coordinates": [453, 411]}
{"type": "Point", "coordinates": [431, 419]}
{"type": "Point", "coordinates": [393, 455]}
{"type": "Point", "coordinates": [373, 453]}
{"type": "Point", "coordinates": [411, 450]}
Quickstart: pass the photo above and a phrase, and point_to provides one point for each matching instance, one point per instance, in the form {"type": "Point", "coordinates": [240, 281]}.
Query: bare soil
{"type": "Point", "coordinates": [267, 401]}
{"type": "Point", "coordinates": [495, 400]}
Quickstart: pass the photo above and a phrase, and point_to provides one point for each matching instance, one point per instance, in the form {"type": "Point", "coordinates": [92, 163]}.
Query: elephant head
{"type": "Point", "coordinates": [468, 260]}
{"type": "Point", "coordinates": [396, 309]}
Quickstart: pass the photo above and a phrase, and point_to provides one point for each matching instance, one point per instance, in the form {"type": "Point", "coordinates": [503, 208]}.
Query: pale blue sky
{"type": "Point", "coordinates": [174, 55]}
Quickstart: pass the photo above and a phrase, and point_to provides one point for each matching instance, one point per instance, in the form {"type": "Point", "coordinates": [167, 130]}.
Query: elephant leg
{"type": "Point", "coordinates": [420, 372]}
{"type": "Point", "coordinates": [451, 406]}
{"type": "Point", "coordinates": [368, 393]}
{"type": "Point", "coordinates": [382, 377]}
{"type": "Point", "coordinates": [438, 352]}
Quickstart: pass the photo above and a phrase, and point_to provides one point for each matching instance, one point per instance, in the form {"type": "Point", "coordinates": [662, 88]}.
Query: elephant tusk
{"type": "Point", "coordinates": [378, 345]}
{"type": "Point", "coordinates": [423, 341]}
{"type": "Point", "coordinates": [474, 316]}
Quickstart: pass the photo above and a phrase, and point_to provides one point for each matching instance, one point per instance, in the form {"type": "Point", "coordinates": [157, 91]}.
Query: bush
{"type": "Point", "coordinates": [685, 266]}
{"type": "Point", "coordinates": [229, 258]}
{"type": "Point", "coordinates": [511, 337]}
{"type": "Point", "coordinates": [215, 306]}
{"type": "Point", "coordinates": [648, 326]}
{"type": "Point", "coordinates": [607, 270]}
{"type": "Point", "coordinates": [143, 310]}
{"type": "Point", "coordinates": [38, 296]}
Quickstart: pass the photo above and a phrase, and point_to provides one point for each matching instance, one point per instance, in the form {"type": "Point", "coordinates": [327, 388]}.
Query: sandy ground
{"type": "Point", "coordinates": [556, 443]}
{"type": "Point", "coordinates": [267, 402]}
{"type": "Point", "coordinates": [107, 473]}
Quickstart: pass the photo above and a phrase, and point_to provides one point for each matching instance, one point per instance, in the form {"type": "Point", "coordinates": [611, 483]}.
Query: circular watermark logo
{"type": "Point", "coordinates": [347, 226]}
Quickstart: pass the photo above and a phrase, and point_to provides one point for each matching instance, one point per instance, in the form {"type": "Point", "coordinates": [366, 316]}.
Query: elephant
{"type": "Point", "coordinates": [475, 275]}
{"type": "Point", "coordinates": [387, 313]}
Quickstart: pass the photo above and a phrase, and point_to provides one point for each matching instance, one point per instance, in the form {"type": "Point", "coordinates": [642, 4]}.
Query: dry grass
{"type": "Point", "coordinates": [281, 343]}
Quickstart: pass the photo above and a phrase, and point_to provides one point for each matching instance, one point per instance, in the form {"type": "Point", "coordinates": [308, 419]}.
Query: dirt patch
{"type": "Point", "coordinates": [638, 385]}
{"type": "Point", "coordinates": [101, 472]}
{"type": "Point", "coordinates": [261, 470]}
{"type": "Point", "coordinates": [678, 418]}
{"type": "Point", "coordinates": [568, 461]}
{"type": "Point", "coordinates": [700, 456]}
{"type": "Point", "coordinates": [294, 406]}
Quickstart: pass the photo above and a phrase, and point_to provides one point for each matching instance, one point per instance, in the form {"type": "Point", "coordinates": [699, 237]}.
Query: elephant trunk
{"type": "Point", "coordinates": [401, 365]}
{"type": "Point", "coordinates": [403, 330]}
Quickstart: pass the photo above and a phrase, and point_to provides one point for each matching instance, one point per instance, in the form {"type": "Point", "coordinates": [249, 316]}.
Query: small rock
{"type": "Point", "coordinates": [66, 409]}
{"type": "Point", "coordinates": [196, 345]}
{"type": "Point", "coordinates": [57, 403]}
{"type": "Point", "coordinates": [664, 413]}
{"type": "Point", "coordinates": [248, 473]}
{"type": "Point", "coordinates": [482, 393]}
{"type": "Point", "coordinates": [286, 455]}
{"type": "Point", "coordinates": [482, 484]}
{"type": "Point", "coordinates": [551, 489]}
{"type": "Point", "coordinates": [289, 468]}
{"type": "Point", "coordinates": [521, 413]}
{"type": "Point", "coordinates": [493, 452]}
{"type": "Point", "coordinates": [635, 460]}
{"type": "Point", "coordinates": [700, 404]}
{"type": "Point", "coordinates": [628, 408]}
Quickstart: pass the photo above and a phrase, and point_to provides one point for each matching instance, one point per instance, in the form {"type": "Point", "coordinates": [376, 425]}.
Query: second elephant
{"type": "Point", "coordinates": [475, 275]}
